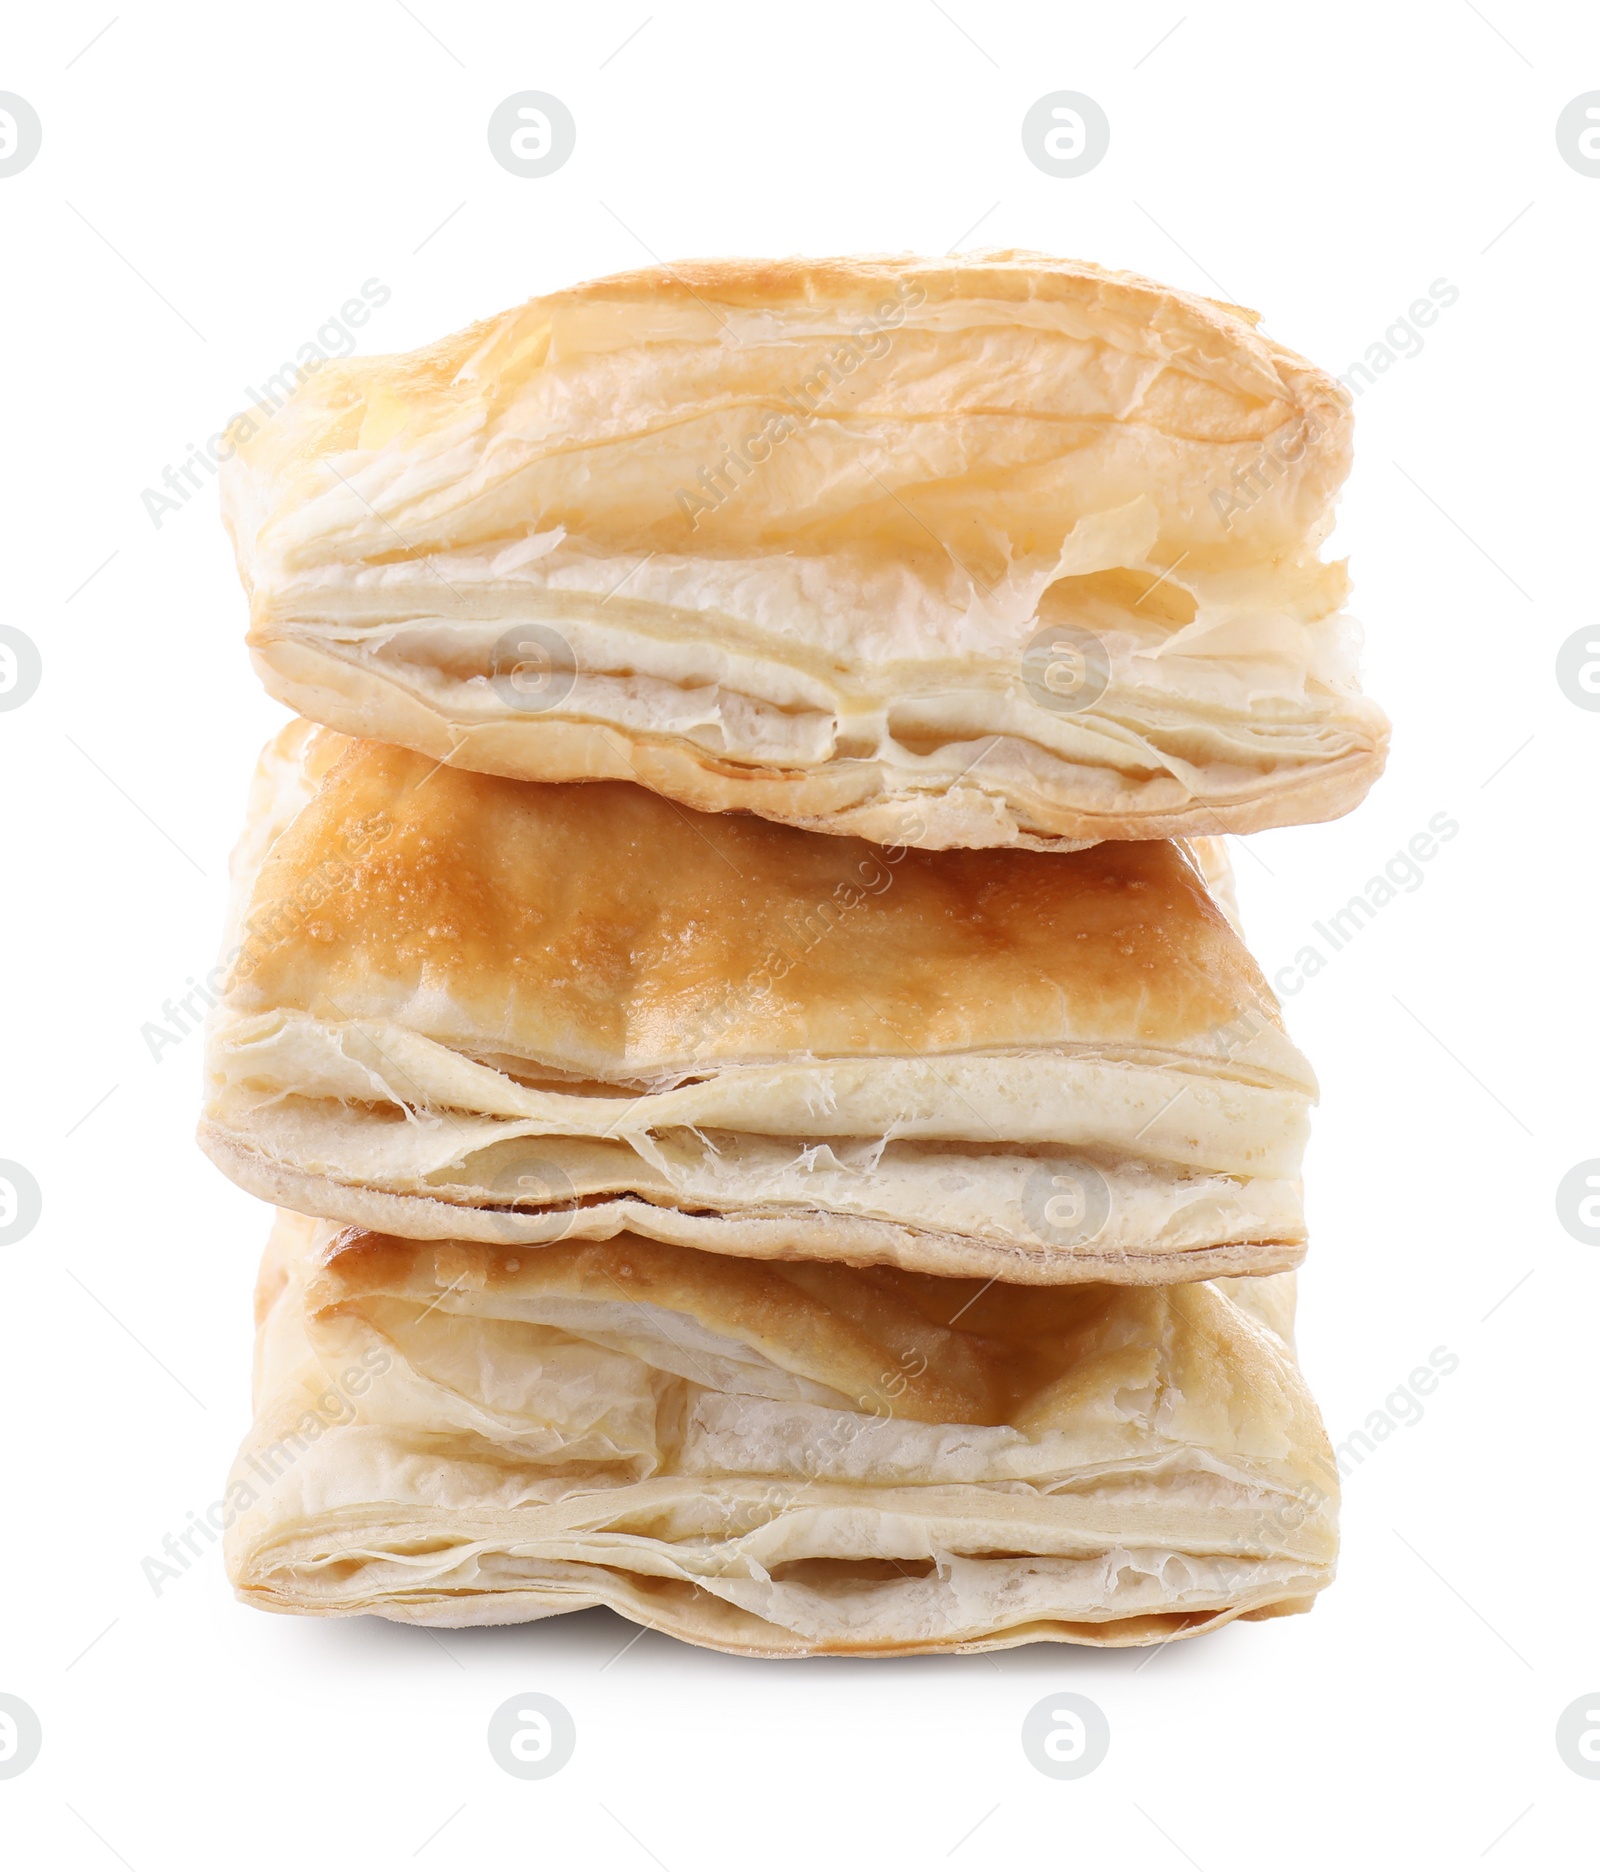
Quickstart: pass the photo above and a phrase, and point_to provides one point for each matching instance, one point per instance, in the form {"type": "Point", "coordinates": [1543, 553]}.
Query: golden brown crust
{"type": "Point", "coordinates": [961, 1350]}
{"type": "Point", "coordinates": [600, 923]}
{"type": "Point", "coordinates": [506, 1011]}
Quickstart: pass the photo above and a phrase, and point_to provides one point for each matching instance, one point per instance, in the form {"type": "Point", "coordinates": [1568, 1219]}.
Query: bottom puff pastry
{"type": "Point", "coordinates": [780, 1459]}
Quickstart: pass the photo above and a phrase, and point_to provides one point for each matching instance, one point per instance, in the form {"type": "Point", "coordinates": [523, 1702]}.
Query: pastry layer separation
{"type": "Point", "coordinates": [777, 1459]}
{"type": "Point", "coordinates": [465, 1007]}
{"type": "Point", "coordinates": [989, 551]}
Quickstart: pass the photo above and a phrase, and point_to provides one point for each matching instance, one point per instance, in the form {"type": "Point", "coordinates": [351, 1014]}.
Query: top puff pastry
{"type": "Point", "coordinates": [997, 550]}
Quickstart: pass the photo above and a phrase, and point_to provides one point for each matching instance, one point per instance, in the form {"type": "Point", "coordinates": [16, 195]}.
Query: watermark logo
{"type": "Point", "coordinates": [532, 1736]}
{"type": "Point", "coordinates": [1577, 1202]}
{"type": "Point", "coordinates": [330, 1410]}
{"type": "Point", "coordinates": [20, 1203]}
{"type": "Point", "coordinates": [1578, 134]}
{"type": "Point", "coordinates": [21, 133]}
{"type": "Point", "coordinates": [531, 133]}
{"type": "Point", "coordinates": [158, 1037]}
{"type": "Point", "coordinates": [526, 1185]}
{"type": "Point", "coordinates": [335, 338]}
{"type": "Point", "coordinates": [1065, 133]}
{"type": "Point", "coordinates": [533, 669]}
{"type": "Point", "coordinates": [1066, 1736]}
{"type": "Point", "coordinates": [1400, 340]}
{"type": "Point", "coordinates": [869, 341]}
{"type": "Point", "coordinates": [802, 931]}
{"type": "Point", "coordinates": [186, 1014]}
{"type": "Point", "coordinates": [1065, 670]}
{"type": "Point", "coordinates": [1578, 1733]}
{"type": "Point", "coordinates": [1066, 1204]}
{"type": "Point", "coordinates": [1401, 876]}
{"type": "Point", "coordinates": [1402, 1410]}
{"type": "Point", "coordinates": [1577, 668]}
{"type": "Point", "coordinates": [1254, 480]}
{"type": "Point", "coordinates": [20, 1736]}
{"type": "Point", "coordinates": [20, 667]}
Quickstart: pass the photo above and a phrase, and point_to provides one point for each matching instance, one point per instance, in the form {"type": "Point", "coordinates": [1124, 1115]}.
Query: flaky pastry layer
{"type": "Point", "coordinates": [781, 1460]}
{"type": "Point", "coordinates": [469, 1007]}
{"type": "Point", "coordinates": [1000, 550]}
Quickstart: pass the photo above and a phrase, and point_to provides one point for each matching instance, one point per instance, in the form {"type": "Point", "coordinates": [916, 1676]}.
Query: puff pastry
{"type": "Point", "coordinates": [1000, 550]}
{"type": "Point", "coordinates": [779, 1459]}
{"type": "Point", "coordinates": [465, 1006]}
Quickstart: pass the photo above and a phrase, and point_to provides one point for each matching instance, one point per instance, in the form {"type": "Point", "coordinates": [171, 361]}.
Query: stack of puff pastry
{"type": "Point", "coordinates": [733, 982]}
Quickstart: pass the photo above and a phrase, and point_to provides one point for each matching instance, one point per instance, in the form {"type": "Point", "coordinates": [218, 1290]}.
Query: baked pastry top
{"type": "Point", "coordinates": [461, 1005]}
{"type": "Point", "coordinates": [996, 550]}
{"type": "Point", "coordinates": [782, 1458]}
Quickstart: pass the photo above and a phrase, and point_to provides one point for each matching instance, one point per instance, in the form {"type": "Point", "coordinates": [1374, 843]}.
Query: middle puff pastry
{"type": "Point", "coordinates": [509, 1012]}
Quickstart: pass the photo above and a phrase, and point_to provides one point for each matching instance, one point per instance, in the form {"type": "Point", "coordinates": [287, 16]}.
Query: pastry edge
{"type": "Point", "coordinates": [857, 1241]}
{"type": "Point", "coordinates": [846, 800]}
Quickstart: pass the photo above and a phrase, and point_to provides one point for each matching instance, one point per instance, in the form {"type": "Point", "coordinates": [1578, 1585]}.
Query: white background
{"type": "Point", "coordinates": [214, 182]}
